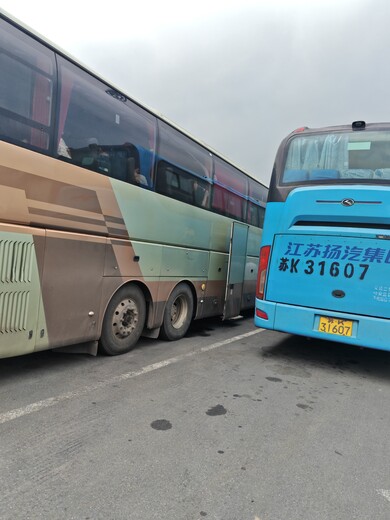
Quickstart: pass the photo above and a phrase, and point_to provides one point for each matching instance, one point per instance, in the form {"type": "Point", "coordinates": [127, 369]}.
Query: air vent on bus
{"type": "Point", "coordinates": [367, 225]}
{"type": "Point", "coordinates": [16, 260]}
{"type": "Point", "coordinates": [14, 307]}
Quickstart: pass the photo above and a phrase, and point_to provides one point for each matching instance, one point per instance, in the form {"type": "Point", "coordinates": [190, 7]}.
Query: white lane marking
{"type": "Point", "coordinates": [385, 493]}
{"type": "Point", "coordinates": [51, 401]}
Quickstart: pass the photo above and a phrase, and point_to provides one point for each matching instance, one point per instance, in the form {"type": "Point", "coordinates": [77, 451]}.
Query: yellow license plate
{"type": "Point", "coordinates": [336, 326]}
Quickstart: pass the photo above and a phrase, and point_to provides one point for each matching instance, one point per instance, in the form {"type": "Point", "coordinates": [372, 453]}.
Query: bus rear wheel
{"type": "Point", "coordinates": [178, 313]}
{"type": "Point", "coordinates": [123, 322]}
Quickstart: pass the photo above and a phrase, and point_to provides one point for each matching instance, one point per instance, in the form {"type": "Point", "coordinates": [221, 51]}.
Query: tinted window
{"type": "Point", "coordinates": [181, 185]}
{"type": "Point", "coordinates": [179, 150]}
{"type": "Point", "coordinates": [229, 191]}
{"type": "Point", "coordinates": [26, 89]}
{"type": "Point", "coordinates": [102, 130]}
{"type": "Point", "coordinates": [184, 168]}
{"type": "Point", "coordinates": [256, 202]}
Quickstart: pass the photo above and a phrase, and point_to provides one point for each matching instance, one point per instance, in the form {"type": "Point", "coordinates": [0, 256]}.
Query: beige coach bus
{"type": "Point", "coordinates": [114, 223]}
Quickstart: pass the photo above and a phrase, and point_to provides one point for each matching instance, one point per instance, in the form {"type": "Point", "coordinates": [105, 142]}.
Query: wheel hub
{"type": "Point", "coordinates": [125, 319]}
{"type": "Point", "coordinates": [179, 312]}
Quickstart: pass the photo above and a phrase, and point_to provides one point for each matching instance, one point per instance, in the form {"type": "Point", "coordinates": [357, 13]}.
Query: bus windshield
{"type": "Point", "coordinates": [338, 157]}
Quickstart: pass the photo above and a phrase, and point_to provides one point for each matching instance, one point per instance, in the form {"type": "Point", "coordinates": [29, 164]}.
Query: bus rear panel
{"type": "Point", "coordinates": [325, 255]}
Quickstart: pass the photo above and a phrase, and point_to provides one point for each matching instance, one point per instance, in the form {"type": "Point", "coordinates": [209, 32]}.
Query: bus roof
{"type": "Point", "coordinates": [355, 126]}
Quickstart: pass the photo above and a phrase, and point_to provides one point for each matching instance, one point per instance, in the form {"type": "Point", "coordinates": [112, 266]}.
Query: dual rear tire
{"type": "Point", "coordinates": [125, 317]}
{"type": "Point", "coordinates": [178, 313]}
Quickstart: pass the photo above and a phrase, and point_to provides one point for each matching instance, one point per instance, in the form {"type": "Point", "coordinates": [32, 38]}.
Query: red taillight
{"type": "Point", "coordinates": [261, 314]}
{"type": "Point", "coordinates": [263, 265]}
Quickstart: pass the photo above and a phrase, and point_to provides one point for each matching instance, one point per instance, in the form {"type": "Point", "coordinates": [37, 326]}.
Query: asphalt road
{"type": "Point", "coordinates": [229, 423]}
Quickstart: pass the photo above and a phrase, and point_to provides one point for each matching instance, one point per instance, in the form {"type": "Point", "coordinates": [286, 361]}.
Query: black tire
{"type": "Point", "coordinates": [178, 313]}
{"type": "Point", "coordinates": [123, 322]}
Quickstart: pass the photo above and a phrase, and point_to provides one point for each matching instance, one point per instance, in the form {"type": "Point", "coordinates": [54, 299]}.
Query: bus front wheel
{"type": "Point", "coordinates": [123, 322]}
{"type": "Point", "coordinates": [178, 313]}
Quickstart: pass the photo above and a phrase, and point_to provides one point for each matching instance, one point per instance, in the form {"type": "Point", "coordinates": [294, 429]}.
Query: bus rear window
{"type": "Point", "coordinates": [338, 157]}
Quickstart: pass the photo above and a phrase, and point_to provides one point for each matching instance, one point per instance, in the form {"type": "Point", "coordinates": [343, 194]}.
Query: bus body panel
{"type": "Point", "coordinates": [173, 243]}
{"type": "Point", "coordinates": [73, 265]}
{"type": "Point", "coordinates": [170, 221]}
{"type": "Point", "coordinates": [315, 263]}
{"type": "Point", "coordinates": [366, 331]}
{"type": "Point", "coordinates": [21, 255]}
{"type": "Point", "coordinates": [349, 282]}
{"type": "Point", "coordinates": [324, 205]}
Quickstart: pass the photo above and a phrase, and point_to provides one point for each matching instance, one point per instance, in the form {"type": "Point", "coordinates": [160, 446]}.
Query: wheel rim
{"type": "Point", "coordinates": [179, 312]}
{"type": "Point", "coordinates": [125, 319]}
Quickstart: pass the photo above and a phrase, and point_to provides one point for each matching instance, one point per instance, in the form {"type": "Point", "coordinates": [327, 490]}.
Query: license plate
{"type": "Point", "coordinates": [335, 326]}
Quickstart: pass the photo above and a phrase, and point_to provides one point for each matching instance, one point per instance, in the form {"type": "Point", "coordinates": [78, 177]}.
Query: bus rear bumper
{"type": "Point", "coordinates": [366, 331]}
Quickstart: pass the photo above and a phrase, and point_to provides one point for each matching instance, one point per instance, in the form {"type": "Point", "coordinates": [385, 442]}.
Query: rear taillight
{"type": "Point", "coordinates": [262, 273]}
{"type": "Point", "coordinates": [261, 314]}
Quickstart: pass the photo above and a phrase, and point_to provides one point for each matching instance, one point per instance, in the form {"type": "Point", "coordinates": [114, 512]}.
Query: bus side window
{"type": "Point", "coordinates": [180, 184]}
{"type": "Point", "coordinates": [253, 214]}
{"type": "Point", "coordinates": [96, 157]}
{"type": "Point", "coordinates": [261, 215]}
{"type": "Point", "coordinates": [125, 164]}
{"type": "Point", "coordinates": [166, 180]}
{"type": "Point", "coordinates": [190, 159]}
{"type": "Point", "coordinates": [104, 131]}
{"type": "Point", "coordinates": [256, 202]}
{"type": "Point", "coordinates": [201, 193]}
{"type": "Point", "coordinates": [120, 166]}
{"type": "Point", "coordinates": [230, 190]}
{"type": "Point", "coordinates": [227, 202]}
{"type": "Point", "coordinates": [26, 89]}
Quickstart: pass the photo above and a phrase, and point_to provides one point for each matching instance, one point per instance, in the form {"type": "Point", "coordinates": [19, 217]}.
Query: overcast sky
{"type": "Point", "coordinates": [238, 75]}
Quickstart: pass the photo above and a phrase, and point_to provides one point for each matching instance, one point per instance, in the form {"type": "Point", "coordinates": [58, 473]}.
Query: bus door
{"type": "Point", "coordinates": [236, 270]}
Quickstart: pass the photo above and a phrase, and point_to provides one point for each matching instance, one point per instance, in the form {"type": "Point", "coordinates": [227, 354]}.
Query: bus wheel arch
{"type": "Point", "coordinates": [179, 312]}
{"type": "Point", "coordinates": [124, 319]}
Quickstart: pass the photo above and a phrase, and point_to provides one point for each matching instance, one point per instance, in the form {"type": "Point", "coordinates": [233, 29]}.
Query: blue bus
{"type": "Point", "coordinates": [324, 268]}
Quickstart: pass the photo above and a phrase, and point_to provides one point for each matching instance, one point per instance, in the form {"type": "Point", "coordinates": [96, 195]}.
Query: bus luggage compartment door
{"type": "Point", "coordinates": [236, 270]}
